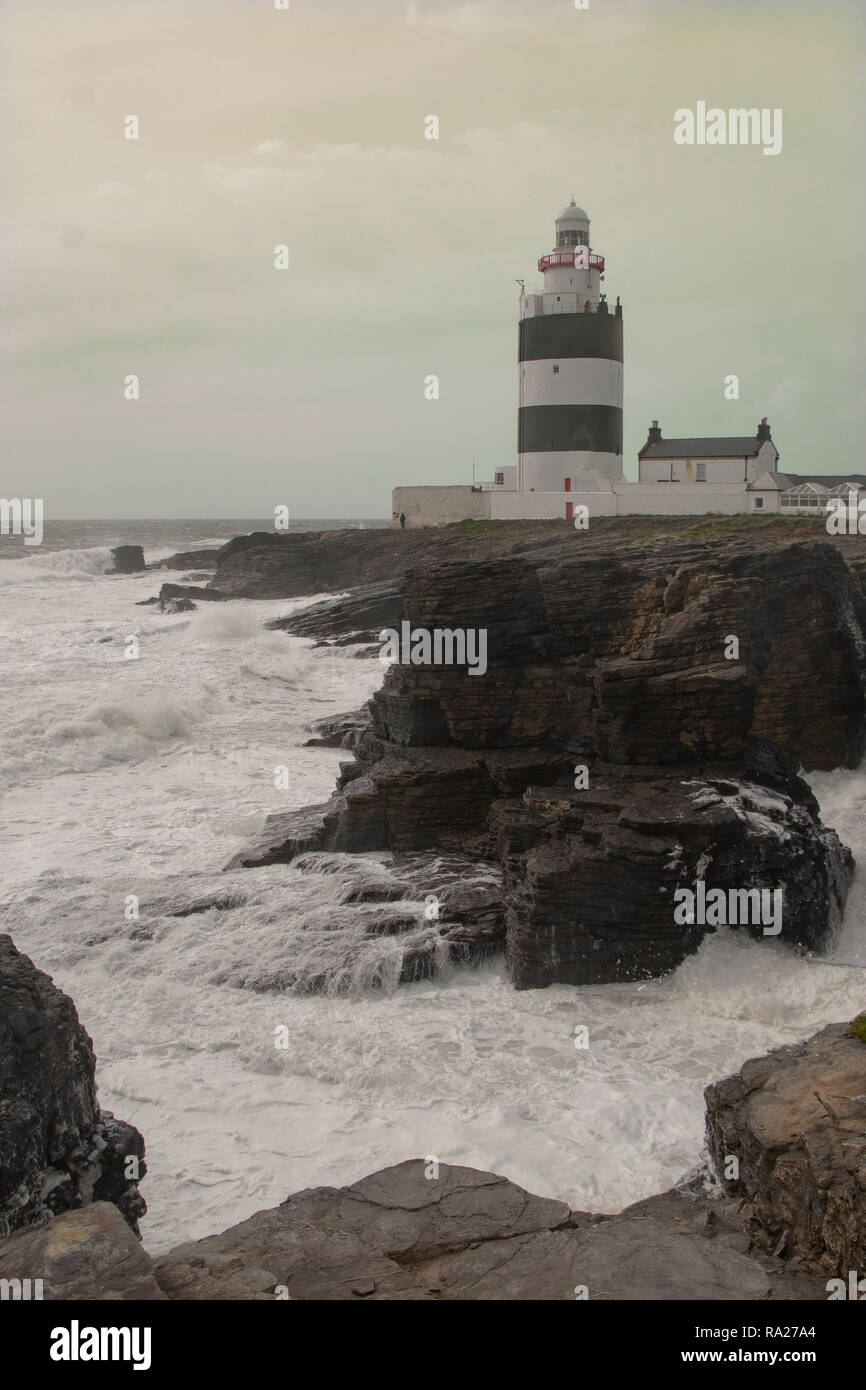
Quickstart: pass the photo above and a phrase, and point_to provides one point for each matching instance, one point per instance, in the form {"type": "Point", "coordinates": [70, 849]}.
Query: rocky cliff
{"type": "Point", "coordinates": [58, 1150]}
{"type": "Point", "coordinates": [638, 728]}
{"type": "Point", "coordinates": [793, 1221]}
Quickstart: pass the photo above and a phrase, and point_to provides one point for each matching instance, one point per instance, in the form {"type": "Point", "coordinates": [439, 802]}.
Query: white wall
{"type": "Point", "coordinates": [569, 282]}
{"type": "Point", "coordinates": [536, 506]}
{"type": "Point", "coordinates": [766, 458]}
{"type": "Point", "coordinates": [719, 470]}
{"type": "Point", "coordinates": [579, 381]}
{"type": "Point", "coordinates": [509, 472]}
{"type": "Point", "coordinates": [679, 499]}
{"type": "Point", "coordinates": [437, 506]}
{"type": "Point", "coordinates": [771, 501]}
{"type": "Point", "coordinates": [546, 472]}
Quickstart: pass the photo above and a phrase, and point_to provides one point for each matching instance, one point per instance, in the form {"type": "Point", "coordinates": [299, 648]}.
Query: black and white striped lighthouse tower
{"type": "Point", "coordinates": [570, 417]}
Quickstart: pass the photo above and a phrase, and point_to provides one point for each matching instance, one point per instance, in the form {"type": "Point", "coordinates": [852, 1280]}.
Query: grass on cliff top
{"type": "Point", "coordinates": [636, 529]}
{"type": "Point", "coordinates": [858, 1028]}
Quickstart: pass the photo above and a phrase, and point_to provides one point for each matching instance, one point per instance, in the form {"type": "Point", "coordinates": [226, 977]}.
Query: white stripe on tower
{"type": "Point", "coordinates": [573, 381]}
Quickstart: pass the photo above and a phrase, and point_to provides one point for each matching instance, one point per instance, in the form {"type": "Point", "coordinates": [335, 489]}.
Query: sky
{"type": "Point", "coordinates": [305, 387]}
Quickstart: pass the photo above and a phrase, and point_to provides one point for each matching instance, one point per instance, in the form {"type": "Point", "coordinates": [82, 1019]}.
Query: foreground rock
{"type": "Point", "coordinates": [462, 1235]}
{"type": "Point", "coordinates": [616, 667]}
{"type": "Point", "coordinates": [127, 559]}
{"type": "Point", "coordinates": [82, 1255]}
{"type": "Point", "coordinates": [796, 1123]}
{"type": "Point", "coordinates": [58, 1150]}
{"type": "Point", "coordinates": [421, 1232]}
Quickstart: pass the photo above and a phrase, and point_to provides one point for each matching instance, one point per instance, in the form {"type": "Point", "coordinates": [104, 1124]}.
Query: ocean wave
{"type": "Point", "coordinates": [123, 729]}
{"type": "Point", "coordinates": [56, 564]}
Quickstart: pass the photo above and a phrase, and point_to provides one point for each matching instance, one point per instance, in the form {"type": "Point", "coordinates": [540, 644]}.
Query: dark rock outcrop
{"type": "Point", "coordinates": [357, 617]}
{"type": "Point", "coordinates": [795, 1122]}
{"type": "Point", "coordinates": [338, 730]}
{"type": "Point", "coordinates": [58, 1150]}
{"type": "Point", "coordinates": [127, 559]}
{"type": "Point", "coordinates": [268, 564]}
{"type": "Point", "coordinates": [189, 560]}
{"type": "Point", "coordinates": [621, 664]}
{"type": "Point", "coordinates": [175, 593]}
{"type": "Point", "coordinates": [425, 913]}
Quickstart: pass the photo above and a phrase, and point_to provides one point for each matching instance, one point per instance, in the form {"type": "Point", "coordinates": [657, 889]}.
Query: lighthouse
{"type": "Point", "coordinates": [570, 370]}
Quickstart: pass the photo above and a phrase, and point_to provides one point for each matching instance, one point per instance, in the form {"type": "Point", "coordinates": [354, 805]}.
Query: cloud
{"type": "Point", "coordinates": [791, 392]}
{"type": "Point", "coordinates": [113, 190]}
{"type": "Point", "coordinates": [270, 147]}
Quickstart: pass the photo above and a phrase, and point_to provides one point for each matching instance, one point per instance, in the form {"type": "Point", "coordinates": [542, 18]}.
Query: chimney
{"type": "Point", "coordinates": [655, 433]}
{"type": "Point", "coordinates": [763, 430]}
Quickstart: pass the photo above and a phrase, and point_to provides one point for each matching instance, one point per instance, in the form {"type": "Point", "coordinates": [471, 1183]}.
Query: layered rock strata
{"type": "Point", "coordinates": [637, 730]}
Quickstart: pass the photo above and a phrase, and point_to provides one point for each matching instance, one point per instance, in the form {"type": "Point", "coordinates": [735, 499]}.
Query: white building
{"type": "Point", "coordinates": [569, 451]}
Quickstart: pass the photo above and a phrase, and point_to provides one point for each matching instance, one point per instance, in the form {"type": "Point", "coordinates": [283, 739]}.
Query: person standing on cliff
{"type": "Point", "coordinates": [402, 521]}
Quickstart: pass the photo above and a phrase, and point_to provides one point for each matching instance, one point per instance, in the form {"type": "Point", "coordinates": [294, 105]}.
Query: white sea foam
{"type": "Point", "coordinates": [144, 777]}
{"type": "Point", "coordinates": [43, 566]}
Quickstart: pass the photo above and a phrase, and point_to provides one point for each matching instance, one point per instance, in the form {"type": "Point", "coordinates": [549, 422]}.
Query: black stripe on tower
{"type": "Point", "coordinates": [548, 428]}
{"type": "Point", "coordinates": [570, 335]}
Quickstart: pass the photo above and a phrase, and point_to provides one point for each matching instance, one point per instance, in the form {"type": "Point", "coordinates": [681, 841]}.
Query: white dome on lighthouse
{"type": "Point", "coordinates": [572, 214]}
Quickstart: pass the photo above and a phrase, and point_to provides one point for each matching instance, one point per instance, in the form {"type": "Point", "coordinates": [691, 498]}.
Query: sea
{"type": "Point", "coordinates": [128, 783]}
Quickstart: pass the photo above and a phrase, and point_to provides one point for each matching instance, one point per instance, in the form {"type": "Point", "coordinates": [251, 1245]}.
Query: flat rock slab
{"type": "Point", "coordinates": [465, 1236]}
{"type": "Point", "coordinates": [272, 1256]}
{"type": "Point", "coordinates": [82, 1255]}
{"type": "Point", "coordinates": [628, 1259]}
{"type": "Point", "coordinates": [411, 1217]}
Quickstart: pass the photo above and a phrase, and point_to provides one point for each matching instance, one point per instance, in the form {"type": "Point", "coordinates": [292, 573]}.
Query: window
{"type": "Point", "coordinates": [556, 371]}
{"type": "Point", "coordinates": [759, 502]}
{"type": "Point", "coordinates": [499, 479]}
{"type": "Point", "coordinates": [700, 473]}
{"type": "Point", "coordinates": [572, 238]}
{"type": "Point", "coordinates": [567, 238]}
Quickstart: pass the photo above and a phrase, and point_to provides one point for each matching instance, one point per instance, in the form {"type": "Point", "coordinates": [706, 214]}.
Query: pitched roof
{"type": "Point", "coordinates": [741, 446]}
{"type": "Point", "coordinates": [782, 481]}
{"type": "Point", "coordinates": [828, 479]}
